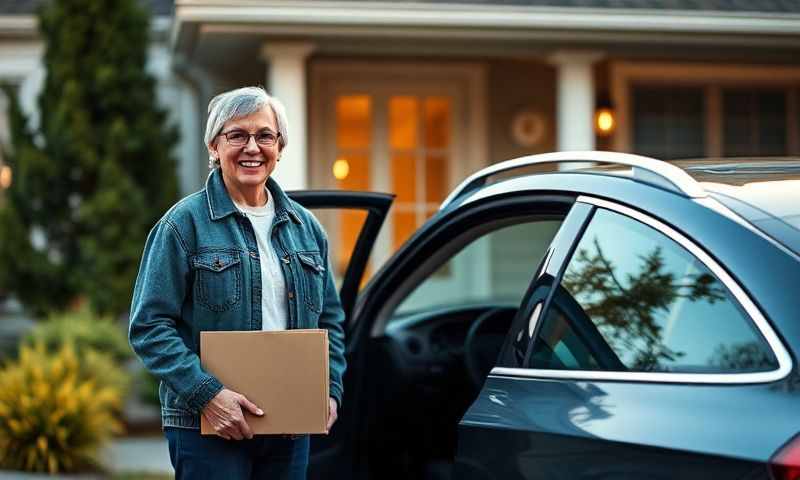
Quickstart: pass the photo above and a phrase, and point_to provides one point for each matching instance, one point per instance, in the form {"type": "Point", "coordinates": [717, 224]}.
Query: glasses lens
{"type": "Point", "coordinates": [237, 138]}
{"type": "Point", "coordinates": [265, 138]}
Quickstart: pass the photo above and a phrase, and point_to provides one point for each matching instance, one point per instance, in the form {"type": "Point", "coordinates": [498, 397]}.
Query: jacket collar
{"type": "Point", "coordinates": [220, 204]}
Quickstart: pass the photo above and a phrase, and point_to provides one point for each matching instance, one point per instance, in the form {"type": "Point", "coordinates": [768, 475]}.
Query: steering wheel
{"type": "Point", "coordinates": [484, 340]}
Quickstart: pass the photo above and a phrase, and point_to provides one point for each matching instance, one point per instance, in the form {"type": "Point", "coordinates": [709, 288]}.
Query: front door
{"type": "Point", "coordinates": [405, 129]}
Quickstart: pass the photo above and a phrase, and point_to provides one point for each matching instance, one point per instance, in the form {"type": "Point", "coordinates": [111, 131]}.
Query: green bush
{"type": "Point", "coordinates": [85, 331]}
{"type": "Point", "coordinates": [53, 417]}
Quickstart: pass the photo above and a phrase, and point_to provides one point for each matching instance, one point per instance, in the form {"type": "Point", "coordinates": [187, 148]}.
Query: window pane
{"type": "Point", "coordinates": [496, 267]}
{"type": "Point", "coordinates": [343, 227]}
{"type": "Point", "coordinates": [437, 122]}
{"type": "Point", "coordinates": [403, 122]}
{"type": "Point", "coordinates": [669, 122]}
{"type": "Point", "coordinates": [404, 223]}
{"type": "Point", "coordinates": [754, 122]}
{"type": "Point", "coordinates": [404, 178]}
{"type": "Point", "coordinates": [353, 121]}
{"type": "Point", "coordinates": [645, 304]}
{"type": "Point", "coordinates": [435, 178]}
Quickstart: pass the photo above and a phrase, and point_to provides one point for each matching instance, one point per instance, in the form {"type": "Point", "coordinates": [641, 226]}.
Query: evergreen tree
{"type": "Point", "coordinates": [97, 173]}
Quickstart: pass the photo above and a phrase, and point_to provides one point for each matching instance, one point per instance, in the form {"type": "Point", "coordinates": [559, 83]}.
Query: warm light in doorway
{"type": "Point", "coordinates": [604, 121]}
{"type": "Point", "coordinates": [341, 169]}
{"type": "Point", "coordinates": [5, 176]}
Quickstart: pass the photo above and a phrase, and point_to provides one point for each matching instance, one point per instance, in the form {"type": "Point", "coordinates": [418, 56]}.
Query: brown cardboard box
{"type": "Point", "coordinates": [285, 373]}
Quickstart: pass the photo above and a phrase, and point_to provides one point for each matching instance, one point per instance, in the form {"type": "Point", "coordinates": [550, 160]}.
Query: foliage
{"type": "Point", "coordinates": [96, 173]}
{"type": "Point", "coordinates": [53, 416]}
{"type": "Point", "coordinates": [743, 357]}
{"type": "Point", "coordinates": [625, 310]}
{"type": "Point", "coordinates": [84, 331]}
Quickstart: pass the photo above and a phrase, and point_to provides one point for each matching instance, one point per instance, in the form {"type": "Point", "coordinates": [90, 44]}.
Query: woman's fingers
{"type": "Point", "coordinates": [252, 407]}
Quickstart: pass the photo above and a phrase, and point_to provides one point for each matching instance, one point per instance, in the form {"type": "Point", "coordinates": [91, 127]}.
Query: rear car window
{"type": "Point", "coordinates": [632, 299]}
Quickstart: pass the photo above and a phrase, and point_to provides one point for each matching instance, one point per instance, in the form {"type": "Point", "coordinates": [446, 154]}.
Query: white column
{"type": "Point", "coordinates": [575, 107]}
{"type": "Point", "coordinates": [287, 82]}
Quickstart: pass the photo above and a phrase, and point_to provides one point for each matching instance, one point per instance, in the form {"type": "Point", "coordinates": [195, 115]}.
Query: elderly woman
{"type": "Point", "coordinates": [226, 258]}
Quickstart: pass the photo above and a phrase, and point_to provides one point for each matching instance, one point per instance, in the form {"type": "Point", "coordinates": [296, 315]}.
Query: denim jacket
{"type": "Point", "coordinates": [200, 270]}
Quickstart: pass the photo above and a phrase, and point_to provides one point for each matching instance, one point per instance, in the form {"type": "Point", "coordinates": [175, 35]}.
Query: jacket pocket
{"type": "Point", "coordinates": [218, 279]}
{"type": "Point", "coordinates": [313, 277]}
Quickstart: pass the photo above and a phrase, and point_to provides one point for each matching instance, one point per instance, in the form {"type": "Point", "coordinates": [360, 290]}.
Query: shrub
{"type": "Point", "coordinates": [85, 331]}
{"type": "Point", "coordinates": [53, 417]}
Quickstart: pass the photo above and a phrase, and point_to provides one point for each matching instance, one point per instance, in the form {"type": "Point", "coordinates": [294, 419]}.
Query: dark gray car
{"type": "Point", "coordinates": [628, 319]}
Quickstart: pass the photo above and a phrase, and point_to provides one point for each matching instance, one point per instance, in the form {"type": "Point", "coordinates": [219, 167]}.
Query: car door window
{"type": "Point", "coordinates": [493, 268]}
{"type": "Point", "coordinates": [632, 299]}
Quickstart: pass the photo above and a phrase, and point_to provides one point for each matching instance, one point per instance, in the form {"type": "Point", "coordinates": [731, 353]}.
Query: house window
{"type": "Point", "coordinates": [668, 122]}
{"type": "Point", "coordinates": [754, 122]}
{"type": "Point", "coordinates": [672, 110]}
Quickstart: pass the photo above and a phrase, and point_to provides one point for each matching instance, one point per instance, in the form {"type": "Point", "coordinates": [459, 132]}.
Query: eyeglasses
{"type": "Point", "coordinates": [239, 138]}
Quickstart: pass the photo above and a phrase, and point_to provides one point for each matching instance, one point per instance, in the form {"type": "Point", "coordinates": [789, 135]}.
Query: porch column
{"type": "Point", "coordinates": [287, 81]}
{"type": "Point", "coordinates": [575, 107]}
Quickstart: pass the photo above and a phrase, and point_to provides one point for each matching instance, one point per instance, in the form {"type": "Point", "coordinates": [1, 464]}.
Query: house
{"type": "Point", "coordinates": [411, 97]}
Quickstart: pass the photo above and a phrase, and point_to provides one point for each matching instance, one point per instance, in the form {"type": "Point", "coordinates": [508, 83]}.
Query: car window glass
{"type": "Point", "coordinates": [633, 299]}
{"type": "Point", "coordinates": [494, 268]}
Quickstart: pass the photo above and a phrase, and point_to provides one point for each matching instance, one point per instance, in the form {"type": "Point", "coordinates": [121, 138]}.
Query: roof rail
{"type": "Point", "coordinates": [646, 169]}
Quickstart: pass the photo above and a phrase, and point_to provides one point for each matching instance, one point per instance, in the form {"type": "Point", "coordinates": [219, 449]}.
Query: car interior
{"type": "Point", "coordinates": [430, 352]}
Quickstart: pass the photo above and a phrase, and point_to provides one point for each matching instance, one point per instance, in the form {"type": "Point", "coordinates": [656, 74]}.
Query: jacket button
{"type": "Point", "coordinates": [286, 259]}
{"type": "Point", "coordinates": [254, 254]}
{"type": "Point", "coordinates": [291, 295]}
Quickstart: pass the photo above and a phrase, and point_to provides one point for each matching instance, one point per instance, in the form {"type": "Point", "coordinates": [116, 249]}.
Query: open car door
{"type": "Point", "coordinates": [333, 456]}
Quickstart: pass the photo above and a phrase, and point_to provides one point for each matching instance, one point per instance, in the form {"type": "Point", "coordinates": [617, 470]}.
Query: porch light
{"type": "Point", "coordinates": [604, 120]}
{"type": "Point", "coordinates": [341, 169]}
{"type": "Point", "coordinates": [5, 177]}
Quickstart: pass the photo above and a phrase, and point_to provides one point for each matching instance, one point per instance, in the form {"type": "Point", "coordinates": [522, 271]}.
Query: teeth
{"type": "Point", "coordinates": [250, 164]}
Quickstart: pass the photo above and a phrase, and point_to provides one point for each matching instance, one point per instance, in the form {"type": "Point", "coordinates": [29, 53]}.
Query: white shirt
{"type": "Point", "coordinates": [274, 306]}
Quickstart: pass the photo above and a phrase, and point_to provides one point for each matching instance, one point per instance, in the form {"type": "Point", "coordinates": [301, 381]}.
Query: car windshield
{"type": "Point", "coordinates": [765, 192]}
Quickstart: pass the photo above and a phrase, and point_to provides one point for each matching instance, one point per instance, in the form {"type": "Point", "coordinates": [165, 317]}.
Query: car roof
{"type": "Point", "coordinates": [770, 185]}
{"type": "Point", "coordinates": [764, 192]}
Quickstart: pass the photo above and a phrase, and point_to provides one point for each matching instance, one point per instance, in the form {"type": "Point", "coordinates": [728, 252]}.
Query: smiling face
{"type": "Point", "coordinates": [245, 169]}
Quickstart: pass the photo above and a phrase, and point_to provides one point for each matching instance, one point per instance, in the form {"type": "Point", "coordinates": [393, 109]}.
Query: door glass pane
{"type": "Point", "coordinates": [437, 122]}
{"type": "Point", "coordinates": [754, 122]}
{"type": "Point", "coordinates": [404, 178]}
{"type": "Point", "coordinates": [405, 224]}
{"type": "Point", "coordinates": [497, 267]}
{"type": "Point", "coordinates": [344, 226]}
{"type": "Point", "coordinates": [353, 121]}
{"type": "Point", "coordinates": [669, 122]}
{"type": "Point", "coordinates": [645, 304]}
{"type": "Point", "coordinates": [435, 178]}
{"type": "Point", "coordinates": [403, 122]}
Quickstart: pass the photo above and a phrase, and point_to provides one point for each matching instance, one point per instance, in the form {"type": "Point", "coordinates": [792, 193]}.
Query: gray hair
{"type": "Point", "coordinates": [238, 103]}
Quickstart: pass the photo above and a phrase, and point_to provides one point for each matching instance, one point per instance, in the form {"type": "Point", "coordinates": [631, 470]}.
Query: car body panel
{"type": "Point", "coordinates": [574, 430]}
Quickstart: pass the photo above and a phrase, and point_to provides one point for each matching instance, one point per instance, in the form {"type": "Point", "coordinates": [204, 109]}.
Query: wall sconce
{"type": "Point", "coordinates": [341, 169]}
{"type": "Point", "coordinates": [605, 120]}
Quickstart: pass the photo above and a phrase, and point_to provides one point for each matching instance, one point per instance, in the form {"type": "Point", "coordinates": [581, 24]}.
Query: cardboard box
{"type": "Point", "coordinates": [285, 373]}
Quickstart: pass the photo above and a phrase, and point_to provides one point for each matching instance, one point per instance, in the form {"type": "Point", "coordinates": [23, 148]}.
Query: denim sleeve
{"type": "Point", "coordinates": [332, 319]}
{"type": "Point", "coordinates": [158, 296]}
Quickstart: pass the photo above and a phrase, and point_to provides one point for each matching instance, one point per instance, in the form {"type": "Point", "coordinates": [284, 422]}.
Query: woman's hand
{"type": "Point", "coordinates": [224, 413]}
{"type": "Point", "coordinates": [332, 415]}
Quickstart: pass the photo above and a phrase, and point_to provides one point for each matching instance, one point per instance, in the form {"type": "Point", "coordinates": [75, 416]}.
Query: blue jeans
{"type": "Point", "coordinates": [200, 457]}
